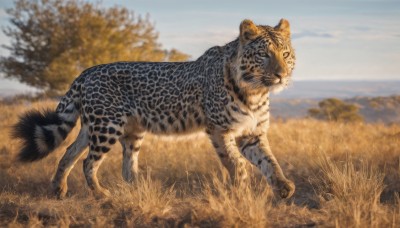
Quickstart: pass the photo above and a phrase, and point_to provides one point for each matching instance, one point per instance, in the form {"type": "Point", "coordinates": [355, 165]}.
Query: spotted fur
{"type": "Point", "coordinates": [224, 92]}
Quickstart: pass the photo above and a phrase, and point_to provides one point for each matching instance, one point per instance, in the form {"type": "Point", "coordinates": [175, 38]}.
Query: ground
{"type": "Point", "coordinates": [346, 175]}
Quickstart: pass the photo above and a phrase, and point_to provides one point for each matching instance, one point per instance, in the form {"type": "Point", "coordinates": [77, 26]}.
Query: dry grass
{"type": "Point", "coordinates": [346, 175]}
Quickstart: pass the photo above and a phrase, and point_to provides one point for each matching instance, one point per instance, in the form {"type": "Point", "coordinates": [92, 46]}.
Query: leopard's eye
{"type": "Point", "coordinates": [285, 55]}
{"type": "Point", "coordinates": [263, 54]}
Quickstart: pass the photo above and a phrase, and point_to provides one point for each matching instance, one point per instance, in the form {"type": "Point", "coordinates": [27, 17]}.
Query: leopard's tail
{"type": "Point", "coordinates": [40, 132]}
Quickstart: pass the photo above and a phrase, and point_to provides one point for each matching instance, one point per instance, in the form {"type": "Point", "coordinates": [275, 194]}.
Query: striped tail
{"type": "Point", "coordinates": [43, 131]}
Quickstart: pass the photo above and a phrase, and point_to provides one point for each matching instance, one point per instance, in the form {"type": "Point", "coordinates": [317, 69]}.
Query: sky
{"type": "Point", "coordinates": [333, 39]}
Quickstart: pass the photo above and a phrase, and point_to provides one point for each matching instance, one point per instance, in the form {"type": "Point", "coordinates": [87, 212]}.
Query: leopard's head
{"type": "Point", "coordinates": [265, 57]}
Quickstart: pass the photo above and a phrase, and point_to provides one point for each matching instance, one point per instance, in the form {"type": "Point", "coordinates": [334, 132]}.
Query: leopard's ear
{"type": "Point", "coordinates": [283, 27]}
{"type": "Point", "coordinates": [248, 30]}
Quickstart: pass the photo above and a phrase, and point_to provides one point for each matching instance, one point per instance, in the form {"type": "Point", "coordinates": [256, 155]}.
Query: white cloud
{"type": "Point", "coordinates": [313, 34]}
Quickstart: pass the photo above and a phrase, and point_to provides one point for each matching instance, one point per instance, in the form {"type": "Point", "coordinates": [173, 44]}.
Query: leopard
{"type": "Point", "coordinates": [224, 93]}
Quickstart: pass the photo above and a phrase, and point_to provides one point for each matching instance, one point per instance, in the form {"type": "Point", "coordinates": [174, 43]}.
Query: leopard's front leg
{"type": "Point", "coordinates": [229, 154]}
{"type": "Point", "coordinates": [257, 150]}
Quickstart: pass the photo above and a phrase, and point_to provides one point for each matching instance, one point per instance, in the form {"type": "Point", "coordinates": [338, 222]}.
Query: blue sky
{"type": "Point", "coordinates": [334, 40]}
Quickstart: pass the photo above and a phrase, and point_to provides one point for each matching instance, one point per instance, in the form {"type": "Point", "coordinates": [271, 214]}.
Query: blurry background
{"type": "Point", "coordinates": [335, 131]}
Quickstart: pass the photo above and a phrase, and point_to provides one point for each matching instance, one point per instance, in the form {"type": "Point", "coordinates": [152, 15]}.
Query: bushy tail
{"type": "Point", "coordinates": [42, 131]}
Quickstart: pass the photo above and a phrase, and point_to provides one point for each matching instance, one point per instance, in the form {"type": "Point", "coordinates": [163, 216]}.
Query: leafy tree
{"type": "Point", "coordinates": [52, 41]}
{"type": "Point", "coordinates": [336, 110]}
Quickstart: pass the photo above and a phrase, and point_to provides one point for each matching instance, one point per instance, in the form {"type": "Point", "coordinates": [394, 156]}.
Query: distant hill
{"type": "Point", "coordinates": [373, 109]}
{"type": "Point", "coordinates": [379, 109]}
{"type": "Point", "coordinates": [378, 100]}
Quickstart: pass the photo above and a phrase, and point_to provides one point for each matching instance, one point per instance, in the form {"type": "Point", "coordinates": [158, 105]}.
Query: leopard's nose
{"type": "Point", "coordinates": [278, 76]}
{"type": "Point", "coordinates": [280, 72]}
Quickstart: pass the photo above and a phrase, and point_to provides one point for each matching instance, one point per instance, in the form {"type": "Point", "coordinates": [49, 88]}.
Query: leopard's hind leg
{"type": "Point", "coordinates": [103, 134]}
{"type": "Point", "coordinates": [74, 152]}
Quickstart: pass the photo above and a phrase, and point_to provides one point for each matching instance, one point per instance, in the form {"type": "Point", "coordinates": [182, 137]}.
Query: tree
{"type": "Point", "coordinates": [335, 110]}
{"type": "Point", "coordinates": [52, 41]}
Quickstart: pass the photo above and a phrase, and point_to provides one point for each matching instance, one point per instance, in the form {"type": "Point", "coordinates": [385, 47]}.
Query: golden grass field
{"type": "Point", "coordinates": [346, 175]}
